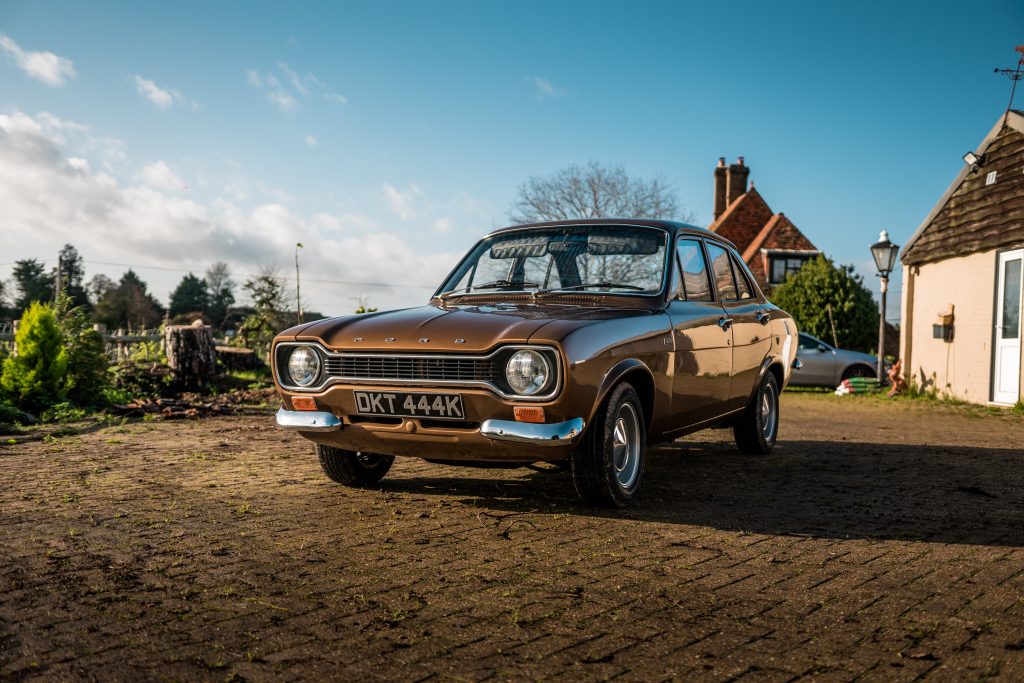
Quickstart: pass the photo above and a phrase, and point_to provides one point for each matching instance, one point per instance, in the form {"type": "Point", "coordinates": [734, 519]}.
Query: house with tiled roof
{"type": "Point", "coordinates": [771, 245]}
{"type": "Point", "coordinates": [963, 277]}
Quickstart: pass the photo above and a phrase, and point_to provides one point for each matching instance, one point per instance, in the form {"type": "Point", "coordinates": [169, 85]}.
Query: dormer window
{"type": "Point", "coordinates": [781, 264]}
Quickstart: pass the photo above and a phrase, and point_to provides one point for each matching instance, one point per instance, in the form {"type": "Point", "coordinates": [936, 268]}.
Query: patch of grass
{"type": "Point", "coordinates": [64, 412]}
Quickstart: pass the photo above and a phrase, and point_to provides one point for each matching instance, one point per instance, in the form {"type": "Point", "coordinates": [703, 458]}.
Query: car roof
{"type": "Point", "coordinates": [673, 227]}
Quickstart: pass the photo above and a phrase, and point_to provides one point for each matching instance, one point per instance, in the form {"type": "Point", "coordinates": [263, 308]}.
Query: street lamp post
{"type": "Point", "coordinates": [885, 253]}
{"type": "Point", "coordinates": [298, 290]}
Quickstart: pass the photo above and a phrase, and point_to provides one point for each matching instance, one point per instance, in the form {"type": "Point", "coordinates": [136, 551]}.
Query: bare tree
{"type": "Point", "coordinates": [594, 191]}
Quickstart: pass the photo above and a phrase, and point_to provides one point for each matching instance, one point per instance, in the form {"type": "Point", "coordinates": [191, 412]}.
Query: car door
{"type": "Point", "coordinates": [702, 342]}
{"type": "Point", "coordinates": [751, 334]}
{"type": "Point", "coordinates": [819, 362]}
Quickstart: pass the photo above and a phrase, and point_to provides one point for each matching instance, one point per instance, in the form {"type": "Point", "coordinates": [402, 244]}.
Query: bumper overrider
{"type": "Point", "coordinates": [541, 434]}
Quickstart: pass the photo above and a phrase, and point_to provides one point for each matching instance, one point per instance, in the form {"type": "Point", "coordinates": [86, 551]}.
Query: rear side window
{"type": "Point", "coordinates": [722, 269]}
{"type": "Point", "coordinates": [743, 288]}
{"type": "Point", "coordinates": [696, 286]}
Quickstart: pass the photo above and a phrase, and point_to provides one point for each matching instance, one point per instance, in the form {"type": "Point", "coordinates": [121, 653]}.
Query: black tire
{"type": "Point", "coordinates": [757, 427]}
{"type": "Point", "coordinates": [353, 468]}
{"type": "Point", "coordinates": [858, 371]}
{"type": "Point", "coordinates": [601, 478]}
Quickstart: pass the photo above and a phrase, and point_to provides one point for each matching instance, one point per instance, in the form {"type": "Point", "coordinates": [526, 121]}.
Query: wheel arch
{"type": "Point", "coordinates": [858, 364]}
{"type": "Point", "coordinates": [773, 365]}
{"type": "Point", "coordinates": [639, 376]}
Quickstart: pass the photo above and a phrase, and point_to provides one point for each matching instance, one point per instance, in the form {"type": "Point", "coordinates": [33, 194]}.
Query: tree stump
{"type": "Point", "coordinates": [190, 354]}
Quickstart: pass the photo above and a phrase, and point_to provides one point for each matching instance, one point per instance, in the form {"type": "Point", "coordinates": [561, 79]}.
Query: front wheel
{"type": "Point", "coordinates": [608, 465]}
{"type": "Point", "coordinates": [353, 468]}
{"type": "Point", "coordinates": [757, 427]}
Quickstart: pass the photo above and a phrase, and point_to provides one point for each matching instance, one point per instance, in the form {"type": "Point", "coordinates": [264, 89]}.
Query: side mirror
{"type": "Point", "coordinates": [822, 348]}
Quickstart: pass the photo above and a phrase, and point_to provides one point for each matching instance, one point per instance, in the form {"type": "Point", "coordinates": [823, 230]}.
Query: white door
{"type": "Point", "coordinates": [1006, 382]}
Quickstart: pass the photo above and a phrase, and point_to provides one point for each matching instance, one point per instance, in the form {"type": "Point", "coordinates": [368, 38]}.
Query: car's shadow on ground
{"type": "Point", "coordinates": [950, 494]}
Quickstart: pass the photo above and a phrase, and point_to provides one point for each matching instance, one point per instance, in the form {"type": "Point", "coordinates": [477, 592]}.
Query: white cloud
{"type": "Point", "coordinates": [44, 67]}
{"type": "Point", "coordinates": [443, 225]}
{"type": "Point", "coordinates": [281, 100]}
{"type": "Point", "coordinates": [311, 141]}
{"type": "Point", "coordinates": [159, 175]}
{"type": "Point", "coordinates": [161, 97]}
{"type": "Point", "coordinates": [545, 88]}
{"type": "Point", "coordinates": [287, 97]}
{"type": "Point", "coordinates": [403, 202]}
{"type": "Point", "coordinates": [51, 197]}
{"type": "Point", "coordinates": [293, 78]}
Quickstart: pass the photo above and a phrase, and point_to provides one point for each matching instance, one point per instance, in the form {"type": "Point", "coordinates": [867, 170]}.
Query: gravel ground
{"type": "Point", "coordinates": [881, 540]}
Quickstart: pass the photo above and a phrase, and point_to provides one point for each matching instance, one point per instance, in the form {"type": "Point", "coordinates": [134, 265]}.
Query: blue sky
{"type": "Point", "coordinates": [389, 136]}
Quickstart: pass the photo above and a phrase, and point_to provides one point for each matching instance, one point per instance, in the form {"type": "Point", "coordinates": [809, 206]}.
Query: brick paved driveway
{"type": "Point", "coordinates": [884, 541]}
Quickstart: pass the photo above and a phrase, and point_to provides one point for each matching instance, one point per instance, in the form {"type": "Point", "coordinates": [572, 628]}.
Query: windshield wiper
{"type": "Point", "coordinates": [601, 285]}
{"type": "Point", "coordinates": [496, 284]}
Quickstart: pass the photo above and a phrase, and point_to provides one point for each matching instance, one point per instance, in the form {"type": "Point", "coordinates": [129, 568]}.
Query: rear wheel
{"type": "Point", "coordinates": [858, 371]}
{"type": "Point", "coordinates": [757, 427]}
{"type": "Point", "coordinates": [353, 468]}
{"type": "Point", "coordinates": [608, 466]}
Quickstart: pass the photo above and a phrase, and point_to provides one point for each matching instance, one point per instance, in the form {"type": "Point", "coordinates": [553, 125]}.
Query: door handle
{"type": "Point", "coordinates": [763, 317]}
{"type": "Point", "coordinates": [725, 323]}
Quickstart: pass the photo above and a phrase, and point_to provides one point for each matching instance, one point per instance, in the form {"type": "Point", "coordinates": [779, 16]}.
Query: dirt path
{"type": "Point", "coordinates": [884, 540]}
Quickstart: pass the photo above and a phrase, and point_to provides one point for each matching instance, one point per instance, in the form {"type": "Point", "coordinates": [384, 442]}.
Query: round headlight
{"type": "Point", "coordinates": [303, 366]}
{"type": "Point", "coordinates": [527, 372]}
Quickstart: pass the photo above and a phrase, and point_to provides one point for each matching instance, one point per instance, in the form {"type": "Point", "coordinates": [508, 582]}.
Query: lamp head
{"type": "Point", "coordinates": [884, 253]}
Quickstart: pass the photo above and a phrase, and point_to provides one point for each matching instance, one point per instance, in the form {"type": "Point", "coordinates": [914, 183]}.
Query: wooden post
{"type": "Point", "coordinates": [190, 354]}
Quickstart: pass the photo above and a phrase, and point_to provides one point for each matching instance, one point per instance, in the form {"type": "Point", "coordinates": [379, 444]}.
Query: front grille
{"type": "Point", "coordinates": [412, 368]}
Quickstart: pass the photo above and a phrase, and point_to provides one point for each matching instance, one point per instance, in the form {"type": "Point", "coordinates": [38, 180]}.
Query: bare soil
{"type": "Point", "coordinates": [882, 540]}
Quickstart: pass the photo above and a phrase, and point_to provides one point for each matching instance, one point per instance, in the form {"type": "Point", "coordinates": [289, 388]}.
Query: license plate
{"type": "Point", "coordinates": [403, 404]}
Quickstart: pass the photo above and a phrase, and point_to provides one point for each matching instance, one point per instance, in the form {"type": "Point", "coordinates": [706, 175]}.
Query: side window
{"type": "Point", "coordinates": [808, 343]}
{"type": "Point", "coordinates": [695, 274]}
{"type": "Point", "coordinates": [743, 288]}
{"type": "Point", "coordinates": [722, 269]}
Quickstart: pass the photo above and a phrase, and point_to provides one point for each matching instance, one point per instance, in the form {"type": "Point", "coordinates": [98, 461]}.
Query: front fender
{"type": "Point", "coordinates": [615, 374]}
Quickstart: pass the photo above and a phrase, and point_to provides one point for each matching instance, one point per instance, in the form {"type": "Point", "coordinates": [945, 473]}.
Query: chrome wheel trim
{"type": "Point", "coordinates": [626, 446]}
{"type": "Point", "coordinates": [769, 412]}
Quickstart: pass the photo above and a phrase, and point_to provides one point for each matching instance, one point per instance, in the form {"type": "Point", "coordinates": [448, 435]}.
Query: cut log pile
{"type": "Point", "coordinates": [193, 406]}
{"type": "Point", "coordinates": [237, 358]}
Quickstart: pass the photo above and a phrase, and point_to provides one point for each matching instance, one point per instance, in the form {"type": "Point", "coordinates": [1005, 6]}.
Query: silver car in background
{"type": "Point", "coordinates": [827, 366]}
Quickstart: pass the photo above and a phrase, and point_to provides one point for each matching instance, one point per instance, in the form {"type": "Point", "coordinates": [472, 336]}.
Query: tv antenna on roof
{"type": "Point", "coordinates": [1014, 74]}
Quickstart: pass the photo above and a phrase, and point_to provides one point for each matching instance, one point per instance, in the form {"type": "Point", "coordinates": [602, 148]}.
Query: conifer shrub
{"type": "Point", "coordinates": [33, 378]}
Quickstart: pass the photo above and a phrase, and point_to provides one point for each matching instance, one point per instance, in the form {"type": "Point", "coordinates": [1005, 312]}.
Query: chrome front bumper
{"type": "Point", "coordinates": [541, 434]}
{"type": "Point", "coordinates": [308, 421]}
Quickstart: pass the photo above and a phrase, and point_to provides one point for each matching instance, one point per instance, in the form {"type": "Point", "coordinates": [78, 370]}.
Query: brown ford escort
{"type": "Point", "coordinates": [576, 342]}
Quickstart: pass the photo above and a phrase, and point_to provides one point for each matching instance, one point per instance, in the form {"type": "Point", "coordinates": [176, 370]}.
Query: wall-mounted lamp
{"type": "Point", "coordinates": [974, 160]}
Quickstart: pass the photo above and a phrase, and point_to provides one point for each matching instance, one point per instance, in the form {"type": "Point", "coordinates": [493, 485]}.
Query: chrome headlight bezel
{"type": "Point", "coordinates": [521, 365]}
{"type": "Point", "coordinates": [314, 366]}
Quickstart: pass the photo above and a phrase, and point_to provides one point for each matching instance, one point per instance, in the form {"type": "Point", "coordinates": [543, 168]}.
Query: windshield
{"type": "Point", "coordinates": [596, 259]}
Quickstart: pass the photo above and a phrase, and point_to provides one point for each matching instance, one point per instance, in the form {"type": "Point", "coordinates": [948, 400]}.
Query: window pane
{"type": "Point", "coordinates": [807, 342]}
{"type": "Point", "coordinates": [561, 257]}
{"type": "Point", "coordinates": [722, 269]}
{"type": "Point", "coordinates": [743, 287]}
{"type": "Point", "coordinates": [1011, 299]}
{"type": "Point", "coordinates": [695, 276]}
{"type": "Point", "coordinates": [778, 271]}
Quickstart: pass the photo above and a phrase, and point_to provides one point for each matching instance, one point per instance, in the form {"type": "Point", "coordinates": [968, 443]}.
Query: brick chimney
{"type": "Point", "coordinates": [736, 181]}
{"type": "Point", "coordinates": [720, 205]}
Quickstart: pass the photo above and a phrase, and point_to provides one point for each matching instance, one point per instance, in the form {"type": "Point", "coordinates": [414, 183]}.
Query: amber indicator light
{"type": "Point", "coordinates": [529, 414]}
{"type": "Point", "coordinates": [303, 403]}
